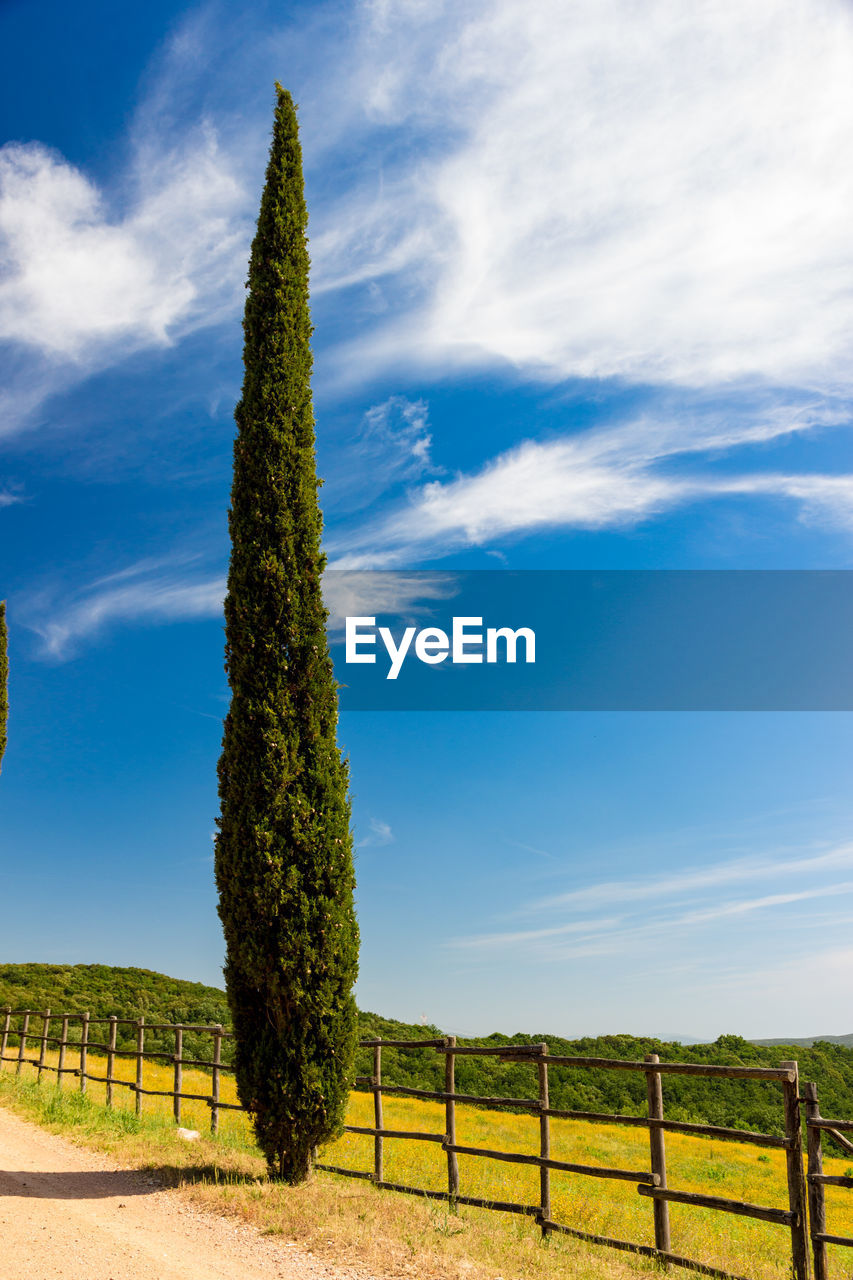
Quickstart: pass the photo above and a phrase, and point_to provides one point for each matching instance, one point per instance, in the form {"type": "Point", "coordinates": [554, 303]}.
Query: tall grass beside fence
{"type": "Point", "coordinates": [607, 1208]}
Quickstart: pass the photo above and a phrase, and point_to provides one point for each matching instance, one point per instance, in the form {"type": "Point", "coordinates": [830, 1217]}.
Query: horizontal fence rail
{"type": "Point", "coordinates": [26, 1038]}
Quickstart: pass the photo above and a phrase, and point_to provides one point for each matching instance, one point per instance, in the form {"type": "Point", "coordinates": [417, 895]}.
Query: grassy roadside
{"type": "Point", "coordinates": [336, 1218]}
{"type": "Point", "coordinates": [350, 1221]}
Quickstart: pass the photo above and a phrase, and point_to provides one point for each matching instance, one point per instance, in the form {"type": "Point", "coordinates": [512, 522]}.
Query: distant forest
{"type": "Point", "coordinates": [743, 1104]}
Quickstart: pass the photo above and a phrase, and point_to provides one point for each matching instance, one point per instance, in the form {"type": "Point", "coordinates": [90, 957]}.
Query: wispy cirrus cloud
{"type": "Point", "coordinates": [602, 478]}
{"type": "Point", "coordinates": [585, 191]}
{"type": "Point", "coordinates": [148, 592]}
{"type": "Point", "coordinates": [390, 447]}
{"type": "Point", "coordinates": [696, 880]}
{"type": "Point", "coordinates": [527, 937]}
{"type": "Point", "coordinates": [379, 835]}
{"type": "Point", "coordinates": [746, 906]}
{"type": "Point", "coordinates": [656, 910]}
{"type": "Point", "coordinates": [685, 222]}
{"type": "Point", "coordinates": [682, 228]}
{"type": "Point", "coordinates": [179, 588]}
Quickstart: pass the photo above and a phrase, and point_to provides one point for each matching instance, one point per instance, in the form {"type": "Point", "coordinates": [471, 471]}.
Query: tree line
{"type": "Point", "coordinates": [739, 1104]}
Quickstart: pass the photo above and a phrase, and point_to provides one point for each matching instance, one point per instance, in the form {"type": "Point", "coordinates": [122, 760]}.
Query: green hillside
{"type": "Point", "coordinates": [746, 1104]}
{"type": "Point", "coordinates": [102, 990]}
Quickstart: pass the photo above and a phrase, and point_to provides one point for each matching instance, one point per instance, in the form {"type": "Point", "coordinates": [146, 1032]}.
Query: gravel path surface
{"type": "Point", "coordinates": [75, 1214]}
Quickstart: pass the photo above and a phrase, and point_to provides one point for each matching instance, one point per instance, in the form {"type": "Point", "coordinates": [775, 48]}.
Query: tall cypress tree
{"type": "Point", "coordinates": [4, 678]}
{"type": "Point", "coordinates": [284, 865]}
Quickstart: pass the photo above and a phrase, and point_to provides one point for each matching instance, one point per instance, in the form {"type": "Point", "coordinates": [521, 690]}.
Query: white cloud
{"type": "Point", "coordinates": [492, 941]}
{"type": "Point", "coordinates": [654, 192]}
{"type": "Point", "coordinates": [747, 905]}
{"type": "Point", "coordinates": [391, 447]}
{"type": "Point", "coordinates": [590, 189]}
{"type": "Point", "coordinates": [534, 486]}
{"type": "Point", "coordinates": [698, 879]}
{"type": "Point", "coordinates": [658, 909]}
{"type": "Point", "coordinates": [587, 189]}
{"type": "Point", "coordinates": [400, 427]}
{"type": "Point", "coordinates": [175, 589]}
{"type": "Point", "coordinates": [405, 595]}
{"type": "Point", "coordinates": [78, 280]}
{"type": "Point", "coordinates": [147, 592]}
{"type": "Point", "coordinates": [597, 479]}
{"type": "Point", "coordinates": [823, 499]}
{"type": "Point", "coordinates": [379, 836]}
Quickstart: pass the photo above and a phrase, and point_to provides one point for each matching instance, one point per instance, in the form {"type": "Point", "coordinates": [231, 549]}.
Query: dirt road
{"type": "Point", "coordinates": [73, 1214]}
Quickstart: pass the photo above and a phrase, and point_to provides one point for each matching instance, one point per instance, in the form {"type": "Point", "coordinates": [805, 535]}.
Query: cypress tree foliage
{"type": "Point", "coordinates": [4, 678]}
{"type": "Point", "coordinates": [284, 865]}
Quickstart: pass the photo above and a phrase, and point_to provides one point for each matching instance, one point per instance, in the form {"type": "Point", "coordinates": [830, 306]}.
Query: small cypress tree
{"type": "Point", "coordinates": [284, 865]}
{"type": "Point", "coordinates": [4, 679]}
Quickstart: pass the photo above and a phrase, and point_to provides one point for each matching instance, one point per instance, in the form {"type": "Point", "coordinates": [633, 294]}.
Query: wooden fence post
{"type": "Point", "coordinates": [140, 1047]}
{"type": "Point", "coordinates": [796, 1177]}
{"type": "Point", "coordinates": [111, 1058]}
{"type": "Point", "coordinates": [657, 1146]}
{"type": "Point", "coordinates": [450, 1122]}
{"type": "Point", "coordinates": [63, 1045]}
{"type": "Point", "coordinates": [84, 1050]}
{"type": "Point", "coordinates": [179, 1072]}
{"type": "Point", "coordinates": [817, 1198]}
{"type": "Point", "coordinates": [24, 1027]}
{"type": "Point", "coordinates": [378, 1165]}
{"type": "Point", "coordinates": [214, 1086]}
{"type": "Point", "coordinates": [43, 1049]}
{"type": "Point", "coordinates": [544, 1142]}
{"type": "Point", "coordinates": [7, 1019]}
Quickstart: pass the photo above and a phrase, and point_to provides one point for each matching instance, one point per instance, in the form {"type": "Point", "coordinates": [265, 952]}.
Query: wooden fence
{"type": "Point", "coordinates": [804, 1217]}
{"type": "Point", "coordinates": [651, 1182]}
{"type": "Point", "coordinates": [82, 1046]}
{"type": "Point", "coordinates": [816, 1126]}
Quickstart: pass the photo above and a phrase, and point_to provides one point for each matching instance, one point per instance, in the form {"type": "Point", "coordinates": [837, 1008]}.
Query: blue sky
{"type": "Point", "coordinates": [582, 288]}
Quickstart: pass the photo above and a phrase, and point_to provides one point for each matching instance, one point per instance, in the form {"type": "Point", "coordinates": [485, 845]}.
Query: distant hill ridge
{"type": "Point", "coordinates": [746, 1104]}
{"type": "Point", "coordinates": [808, 1041]}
